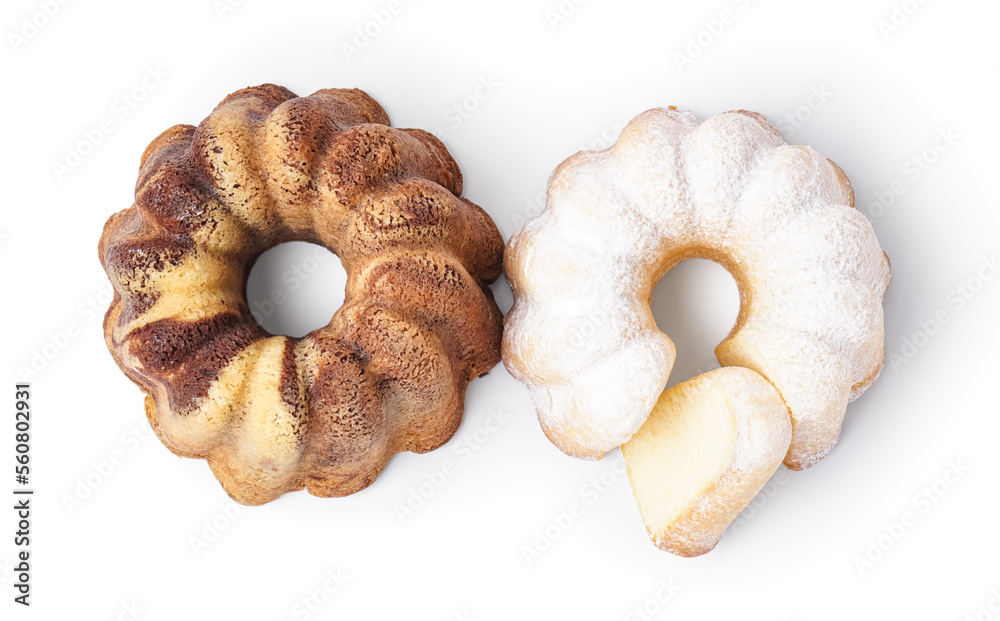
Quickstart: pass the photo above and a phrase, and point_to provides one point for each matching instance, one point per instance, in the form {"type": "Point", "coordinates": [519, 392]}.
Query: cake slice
{"type": "Point", "coordinates": [706, 449]}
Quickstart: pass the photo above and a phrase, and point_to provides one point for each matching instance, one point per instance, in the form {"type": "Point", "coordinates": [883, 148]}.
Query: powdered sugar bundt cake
{"type": "Point", "coordinates": [273, 414]}
{"type": "Point", "coordinates": [780, 218]}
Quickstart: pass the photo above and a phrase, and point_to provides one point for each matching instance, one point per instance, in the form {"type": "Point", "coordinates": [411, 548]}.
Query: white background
{"type": "Point", "coordinates": [126, 539]}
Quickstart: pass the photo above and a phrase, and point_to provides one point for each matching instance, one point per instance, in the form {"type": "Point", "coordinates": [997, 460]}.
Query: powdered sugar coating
{"type": "Point", "coordinates": [780, 218]}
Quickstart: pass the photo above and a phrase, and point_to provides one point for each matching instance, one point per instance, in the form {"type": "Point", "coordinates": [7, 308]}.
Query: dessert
{"type": "Point", "coordinates": [273, 414]}
{"type": "Point", "coordinates": [706, 449]}
{"type": "Point", "coordinates": [779, 218]}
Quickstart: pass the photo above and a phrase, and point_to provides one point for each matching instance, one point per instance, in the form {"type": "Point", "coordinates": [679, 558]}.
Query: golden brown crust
{"type": "Point", "coordinates": [326, 412]}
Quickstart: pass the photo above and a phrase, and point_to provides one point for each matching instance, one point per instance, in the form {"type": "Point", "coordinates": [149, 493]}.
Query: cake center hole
{"type": "Point", "coordinates": [696, 304]}
{"type": "Point", "coordinates": [295, 288]}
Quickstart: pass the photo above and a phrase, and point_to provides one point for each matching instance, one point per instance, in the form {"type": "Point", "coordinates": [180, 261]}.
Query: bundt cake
{"type": "Point", "coordinates": [273, 414]}
{"type": "Point", "coordinates": [780, 218]}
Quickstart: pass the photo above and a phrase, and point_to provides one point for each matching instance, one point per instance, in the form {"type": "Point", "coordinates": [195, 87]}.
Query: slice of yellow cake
{"type": "Point", "coordinates": [706, 449]}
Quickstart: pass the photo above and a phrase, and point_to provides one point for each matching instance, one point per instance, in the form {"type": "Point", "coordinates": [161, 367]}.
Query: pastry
{"type": "Point", "coordinates": [706, 449]}
{"type": "Point", "coordinates": [779, 218]}
{"type": "Point", "coordinates": [273, 414]}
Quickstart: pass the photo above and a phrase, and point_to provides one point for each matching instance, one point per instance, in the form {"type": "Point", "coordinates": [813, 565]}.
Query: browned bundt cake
{"type": "Point", "coordinates": [273, 414]}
